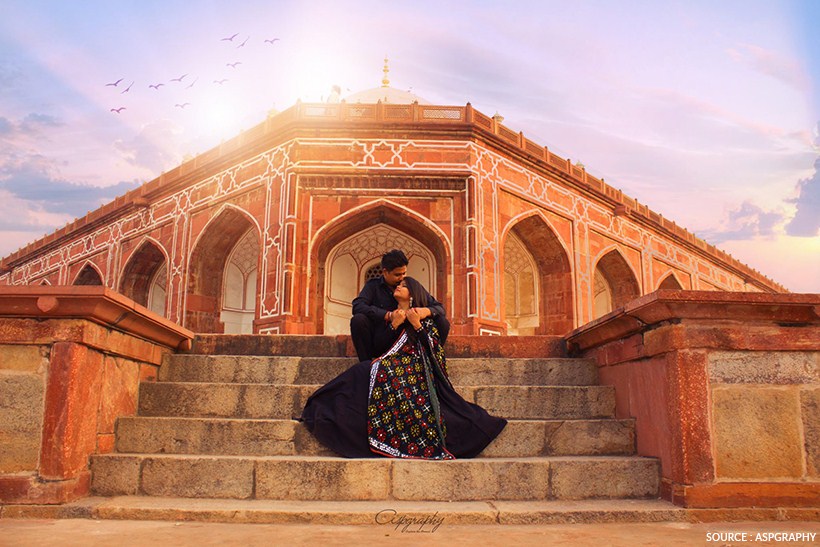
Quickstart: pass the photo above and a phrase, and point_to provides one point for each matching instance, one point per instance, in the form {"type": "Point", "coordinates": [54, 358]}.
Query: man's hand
{"type": "Point", "coordinates": [414, 316]}
{"type": "Point", "coordinates": [397, 318]}
{"type": "Point", "coordinates": [424, 313]}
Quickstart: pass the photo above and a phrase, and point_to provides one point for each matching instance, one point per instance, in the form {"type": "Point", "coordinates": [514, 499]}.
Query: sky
{"type": "Point", "coordinates": [707, 112]}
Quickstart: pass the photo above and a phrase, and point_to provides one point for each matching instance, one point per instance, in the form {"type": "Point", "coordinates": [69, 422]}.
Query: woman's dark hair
{"type": "Point", "coordinates": [394, 259]}
{"type": "Point", "coordinates": [417, 292]}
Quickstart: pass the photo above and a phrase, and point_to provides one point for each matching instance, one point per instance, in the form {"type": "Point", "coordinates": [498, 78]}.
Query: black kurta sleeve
{"type": "Point", "coordinates": [367, 302]}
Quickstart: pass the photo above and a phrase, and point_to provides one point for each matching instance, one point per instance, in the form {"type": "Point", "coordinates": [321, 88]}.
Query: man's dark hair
{"type": "Point", "coordinates": [394, 259]}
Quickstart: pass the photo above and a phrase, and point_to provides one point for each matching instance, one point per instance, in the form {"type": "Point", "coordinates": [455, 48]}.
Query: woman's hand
{"type": "Point", "coordinates": [397, 318]}
{"type": "Point", "coordinates": [414, 318]}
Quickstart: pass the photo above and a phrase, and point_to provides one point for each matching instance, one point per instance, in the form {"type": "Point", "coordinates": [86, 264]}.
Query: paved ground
{"type": "Point", "coordinates": [86, 532]}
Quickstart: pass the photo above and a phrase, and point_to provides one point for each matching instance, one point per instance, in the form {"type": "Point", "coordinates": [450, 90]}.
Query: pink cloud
{"type": "Point", "coordinates": [772, 64]}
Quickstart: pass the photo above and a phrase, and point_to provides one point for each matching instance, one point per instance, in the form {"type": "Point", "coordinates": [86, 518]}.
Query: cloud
{"type": "Point", "coordinates": [806, 222]}
{"type": "Point", "coordinates": [748, 221]}
{"type": "Point", "coordinates": [33, 124]}
{"type": "Point", "coordinates": [155, 147]}
{"type": "Point", "coordinates": [9, 76]}
{"type": "Point", "coordinates": [35, 182]}
{"type": "Point", "coordinates": [771, 64]}
{"type": "Point", "coordinates": [36, 121]}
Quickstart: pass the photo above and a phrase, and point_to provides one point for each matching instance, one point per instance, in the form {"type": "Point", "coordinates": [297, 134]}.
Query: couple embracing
{"type": "Point", "coordinates": [398, 401]}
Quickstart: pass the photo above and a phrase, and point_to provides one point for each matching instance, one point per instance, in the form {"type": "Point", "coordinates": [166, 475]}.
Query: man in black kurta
{"type": "Point", "coordinates": [372, 310]}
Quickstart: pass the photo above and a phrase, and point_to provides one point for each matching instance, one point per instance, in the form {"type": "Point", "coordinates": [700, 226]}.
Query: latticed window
{"type": "Point", "coordinates": [157, 291]}
{"type": "Point", "coordinates": [373, 272]}
{"type": "Point", "coordinates": [240, 274]}
{"type": "Point", "coordinates": [520, 288]}
{"type": "Point", "coordinates": [601, 294]}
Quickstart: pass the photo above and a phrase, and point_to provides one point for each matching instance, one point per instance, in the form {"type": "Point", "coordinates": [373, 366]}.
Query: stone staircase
{"type": "Point", "coordinates": [214, 439]}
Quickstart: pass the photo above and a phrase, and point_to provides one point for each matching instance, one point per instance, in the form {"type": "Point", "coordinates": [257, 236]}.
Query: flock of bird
{"type": "Point", "coordinates": [182, 78]}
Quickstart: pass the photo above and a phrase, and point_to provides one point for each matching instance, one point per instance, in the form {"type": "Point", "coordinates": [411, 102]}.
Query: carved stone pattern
{"type": "Point", "coordinates": [516, 258]}
{"type": "Point", "coordinates": [246, 253]}
{"type": "Point", "coordinates": [379, 240]}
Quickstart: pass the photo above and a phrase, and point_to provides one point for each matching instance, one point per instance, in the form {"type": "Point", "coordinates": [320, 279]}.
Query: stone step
{"type": "Point", "coordinates": [417, 516]}
{"type": "Point", "coordinates": [319, 370]}
{"type": "Point", "coordinates": [341, 346]}
{"type": "Point", "coordinates": [286, 401]}
{"type": "Point", "coordinates": [521, 438]}
{"type": "Point", "coordinates": [338, 479]}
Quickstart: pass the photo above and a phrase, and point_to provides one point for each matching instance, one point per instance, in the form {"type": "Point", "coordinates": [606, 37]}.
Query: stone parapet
{"type": "Point", "coordinates": [71, 360]}
{"type": "Point", "coordinates": [724, 389]}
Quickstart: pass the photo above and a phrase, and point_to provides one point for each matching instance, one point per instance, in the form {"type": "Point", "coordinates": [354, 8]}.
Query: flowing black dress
{"type": "Point", "coordinates": [401, 404]}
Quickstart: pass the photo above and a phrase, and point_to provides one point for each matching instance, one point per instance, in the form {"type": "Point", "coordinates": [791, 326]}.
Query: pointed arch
{"type": "Point", "coordinates": [553, 272]}
{"type": "Point", "coordinates": [615, 276]}
{"type": "Point", "coordinates": [89, 275]}
{"type": "Point", "coordinates": [356, 220]}
{"type": "Point", "coordinates": [670, 282]}
{"type": "Point", "coordinates": [142, 272]}
{"type": "Point", "coordinates": [207, 265]}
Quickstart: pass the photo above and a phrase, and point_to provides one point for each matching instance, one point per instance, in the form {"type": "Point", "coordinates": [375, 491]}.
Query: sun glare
{"type": "Point", "coordinates": [219, 118]}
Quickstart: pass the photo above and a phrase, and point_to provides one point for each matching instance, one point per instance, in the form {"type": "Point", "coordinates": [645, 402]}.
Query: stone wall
{"type": "Point", "coordinates": [725, 389]}
{"type": "Point", "coordinates": [71, 360]}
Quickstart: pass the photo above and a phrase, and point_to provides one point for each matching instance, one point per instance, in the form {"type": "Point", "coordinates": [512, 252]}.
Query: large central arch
{"type": "Point", "coordinates": [377, 213]}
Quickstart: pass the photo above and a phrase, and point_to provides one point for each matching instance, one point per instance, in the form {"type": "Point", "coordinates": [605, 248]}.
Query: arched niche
{"type": "Point", "coordinates": [520, 288]}
{"type": "Point", "coordinates": [144, 278]}
{"type": "Point", "coordinates": [552, 274]}
{"type": "Point", "coordinates": [389, 215]}
{"type": "Point", "coordinates": [88, 276]}
{"type": "Point", "coordinates": [670, 282]}
{"type": "Point", "coordinates": [239, 286]}
{"type": "Point", "coordinates": [614, 278]}
{"type": "Point", "coordinates": [357, 259]}
{"type": "Point", "coordinates": [601, 295]}
{"type": "Point", "coordinates": [207, 266]}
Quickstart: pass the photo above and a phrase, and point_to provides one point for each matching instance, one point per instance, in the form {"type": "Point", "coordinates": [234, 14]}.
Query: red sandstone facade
{"type": "Point", "coordinates": [273, 231]}
{"type": "Point", "coordinates": [450, 182]}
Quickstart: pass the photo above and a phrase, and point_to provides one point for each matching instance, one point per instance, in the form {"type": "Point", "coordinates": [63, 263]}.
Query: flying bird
{"type": "Point", "coordinates": [229, 39]}
{"type": "Point", "coordinates": [220, 82]}
{"type": "Point", "coordinates": [118, 110]}
{"type": "Point", "coordinates": [127, 89]}
{"type": "Point", "coordinates": [114, 84]}
{"type": "Point", "coordinates": [156, 86]}
{"type": "Point", "coordinates": [192, 83]}
{"type": "Point", "coordinates": [233, 65]}
{"type": "Point", "coordinates": [243, 43]}
{"type": "Point", "coordinates": [271, 41]}
{"type": "Point", "coordinates": [178, 79]}
{"type": "Point", "coordinates": [183, 105]}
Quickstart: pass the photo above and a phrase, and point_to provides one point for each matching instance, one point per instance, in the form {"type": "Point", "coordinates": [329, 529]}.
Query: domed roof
{"type": "Point", "coordinates": [385, 94]}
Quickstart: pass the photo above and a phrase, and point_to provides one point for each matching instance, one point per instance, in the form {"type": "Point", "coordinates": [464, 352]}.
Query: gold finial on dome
{"type": "Point", "coordinates": [385, 81]}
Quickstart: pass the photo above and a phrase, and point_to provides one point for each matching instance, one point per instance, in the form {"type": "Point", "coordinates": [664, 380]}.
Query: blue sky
{"type": "Point", "coordinates": [706, 111]}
